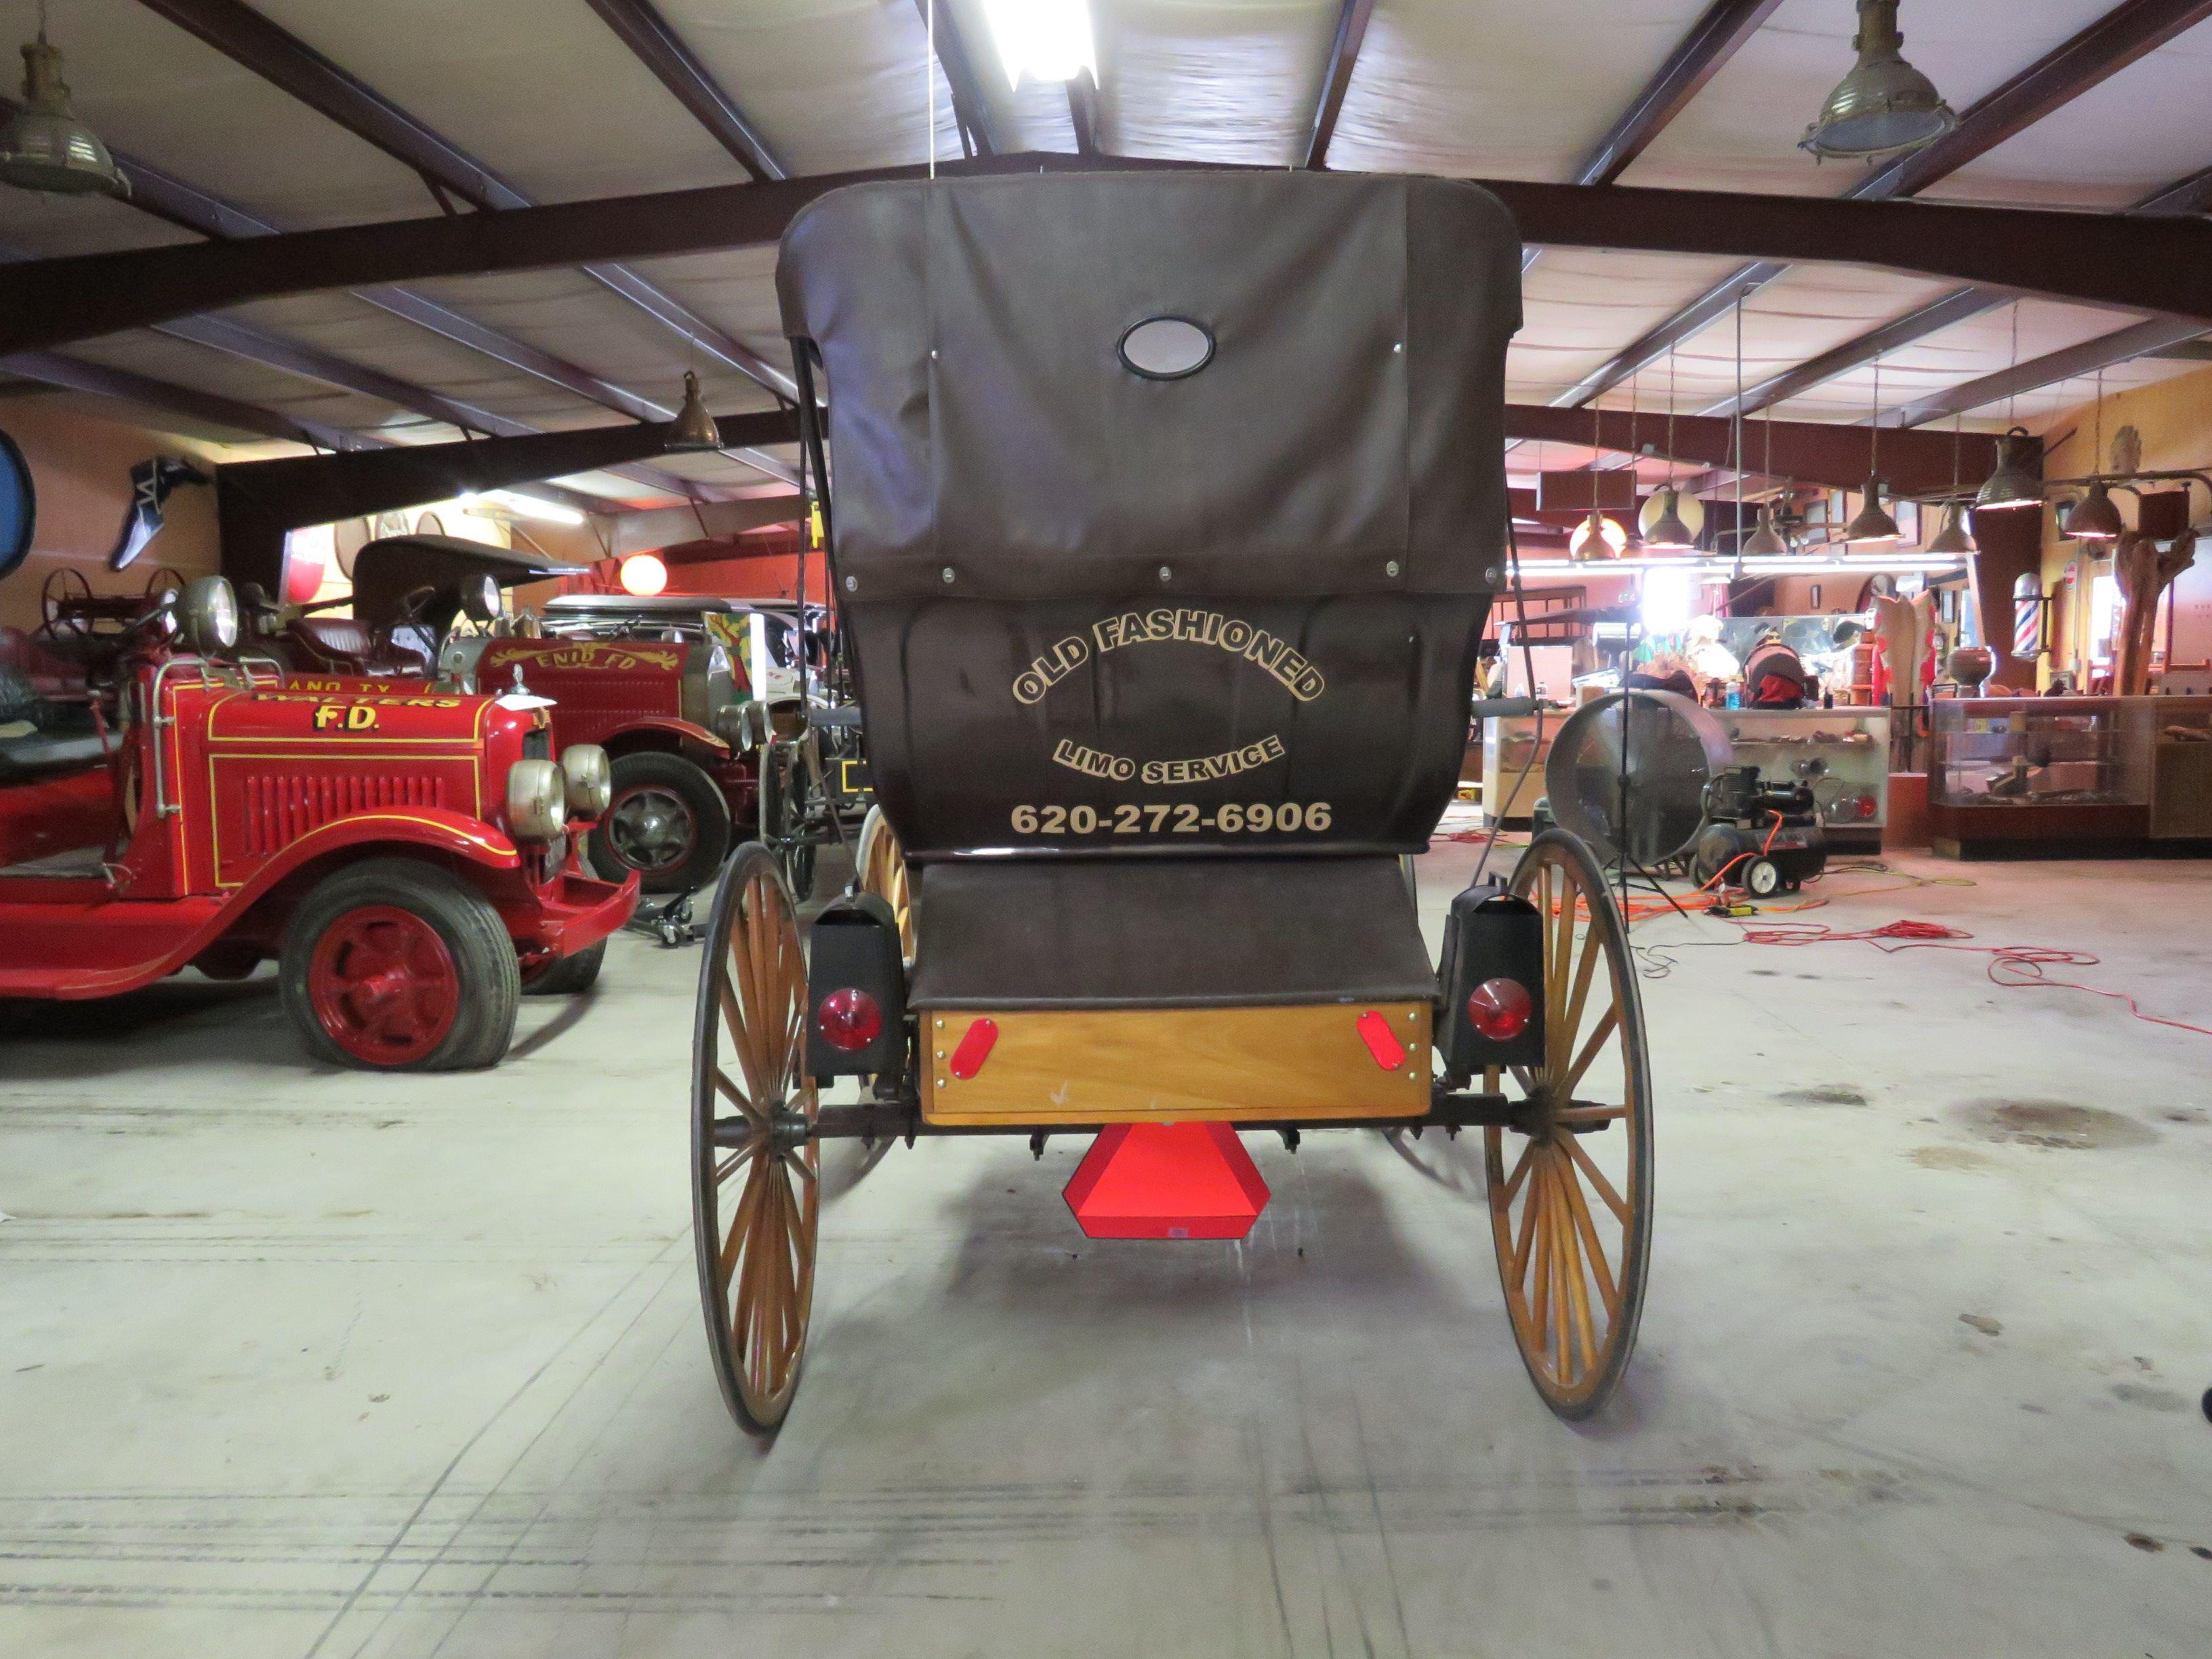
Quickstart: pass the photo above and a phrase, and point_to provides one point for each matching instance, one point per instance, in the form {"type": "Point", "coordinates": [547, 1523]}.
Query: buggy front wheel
{"type": "Point", "coordinates": [1570, 1182]}
{"type": "Point", "coordinates": [756, 1170]}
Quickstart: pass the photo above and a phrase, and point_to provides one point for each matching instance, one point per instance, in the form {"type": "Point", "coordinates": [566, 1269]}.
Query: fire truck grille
{"type": "Point", "coordinates": [281, 808]}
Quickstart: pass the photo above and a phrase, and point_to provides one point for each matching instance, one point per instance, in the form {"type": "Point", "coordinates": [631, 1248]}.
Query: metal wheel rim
{"type": "Point", "coordinates": [1573, 1256]}
{"type": "Point", "coordinates": [383, 985]}
{"type": "Point", "coordinates": [651, 828]}
{"type": "Point", "coordinates": [756, 1175]}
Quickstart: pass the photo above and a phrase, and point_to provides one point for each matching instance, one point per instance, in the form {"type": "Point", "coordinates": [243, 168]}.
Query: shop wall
{"type": "Point", "coordinates": [81, 470]}
{"type": "Point", "coordinates": [2174, 419]}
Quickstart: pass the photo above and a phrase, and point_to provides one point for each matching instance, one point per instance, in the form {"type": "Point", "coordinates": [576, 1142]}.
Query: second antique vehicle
{"type": "Point", "coordinates": [1163, 538]}
{"type": "Point", "coordinates": [405, 856]}
{"type": "Point", "coordinates": [696, 700]}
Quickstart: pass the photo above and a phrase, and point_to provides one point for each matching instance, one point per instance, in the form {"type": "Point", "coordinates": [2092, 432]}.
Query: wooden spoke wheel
{"type": "Point", "coordinates": [1571, 1183]}
{"type": "Point", "coordinates": [883, 873]}
{"type": "Point", "coordinates": [756, 1169]}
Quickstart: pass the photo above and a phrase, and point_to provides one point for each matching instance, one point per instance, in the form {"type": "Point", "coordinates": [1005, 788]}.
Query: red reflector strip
{"type": "Point", "coordinates": [1382, 1042]}
{"type": "Point", "coordinates": [975, 1048]}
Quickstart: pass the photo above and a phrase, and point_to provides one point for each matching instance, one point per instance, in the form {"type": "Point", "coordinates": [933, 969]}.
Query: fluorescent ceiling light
{"type": "Point", "coordinates": [514, 502]}
{"type": "Point", "coordinates": [1043, 39]}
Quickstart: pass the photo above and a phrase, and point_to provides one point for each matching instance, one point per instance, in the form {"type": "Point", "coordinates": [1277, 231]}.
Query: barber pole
{"type": "Point", "coordinates": [2026, 617]}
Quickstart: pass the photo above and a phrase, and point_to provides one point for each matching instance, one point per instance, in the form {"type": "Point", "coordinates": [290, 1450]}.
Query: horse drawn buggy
{"type": "Point", "coordinates": [1168, 510]}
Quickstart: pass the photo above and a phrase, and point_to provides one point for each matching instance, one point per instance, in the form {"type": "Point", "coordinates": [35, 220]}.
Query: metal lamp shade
{"type": "Point", "coordinates": [1667, 533]}
{"type": "Point", "coordinates": [44, 147]}
{"type": "Point", "coordinates": [2094, 518]}
{"type": "Point", "coordinates": [694, 430]}
{"type": "Point", "coordinates": [1953, 536]}
{"type": "Point", "coordinates": [1874, 523]}
{"type": "Point", "coordinates": [1767, 541]}
{"type": "Point", "coordinates": [1884, 104]}
{"type": "Point", "coordinates": [2013, 484]}
{"type": "Point", "coordinates": [1596, 538]}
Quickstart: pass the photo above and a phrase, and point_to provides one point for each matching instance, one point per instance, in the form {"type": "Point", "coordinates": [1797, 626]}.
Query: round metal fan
{"type": "Point", "coordinates": [1639, 759]}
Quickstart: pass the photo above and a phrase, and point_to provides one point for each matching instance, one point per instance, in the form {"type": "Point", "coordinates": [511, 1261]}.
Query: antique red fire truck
{"type": "Point", "coordinates": [404, 854]}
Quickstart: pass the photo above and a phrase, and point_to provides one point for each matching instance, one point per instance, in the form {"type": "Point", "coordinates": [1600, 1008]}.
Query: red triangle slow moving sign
{"type": "Point", "coordinates": [1167, 1181]}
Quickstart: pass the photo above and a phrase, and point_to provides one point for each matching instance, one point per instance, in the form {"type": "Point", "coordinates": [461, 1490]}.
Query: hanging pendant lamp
{"type": "Point", "coordinates": [1596, 538]}
{"type": "Point", "coordinates": [1884, 104]}
{"type": "Point", "coordinates": [44, 147]}
{"type": "Point", "coordinates": [1873, 522]}
{"type": "Point", "coordinates": [1766, 542]}
{"type": "Point", "coordinates": [1667, 533]}
{"type": "Point", "coordinates": [2013, 484]}
{"type": "Point", "coordinates": [693, 431]}
{"type": "Point", "coordinates": [2094, 518]}
{"type": "Point", "coordinates": [1953, 536]}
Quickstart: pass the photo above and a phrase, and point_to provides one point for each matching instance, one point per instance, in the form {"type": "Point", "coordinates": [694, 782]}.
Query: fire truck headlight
{"type": "Point", "coordinates": [536, 800]}
{"type": "Point", "coordinates": [589, 780]}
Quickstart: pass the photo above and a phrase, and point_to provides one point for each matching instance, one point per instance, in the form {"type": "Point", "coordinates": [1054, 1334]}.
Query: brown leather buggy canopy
{"type": "Point", "coordinates": [1166, 507]}
{"type": "Point", "coordinates": [386, 570]}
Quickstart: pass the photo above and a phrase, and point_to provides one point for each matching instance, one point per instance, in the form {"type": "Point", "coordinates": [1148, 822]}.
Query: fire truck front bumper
{"type": "Point", "coordinates": [572, 914]}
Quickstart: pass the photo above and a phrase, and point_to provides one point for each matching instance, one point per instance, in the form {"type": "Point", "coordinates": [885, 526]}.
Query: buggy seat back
{"type": "Point", "coordinates": [1167, 506]}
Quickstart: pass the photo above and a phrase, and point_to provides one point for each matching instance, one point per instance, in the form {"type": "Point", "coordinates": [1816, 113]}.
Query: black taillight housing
{"type": "Point", "coordinates": [855, 991]}
{"type": "Point", "coordinates": [1494, 948]}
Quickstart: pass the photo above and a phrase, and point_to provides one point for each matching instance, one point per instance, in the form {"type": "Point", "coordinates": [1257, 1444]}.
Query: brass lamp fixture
{"type": "Point", "coordinates": [1596, 538]}
{"type": "Point", "coordinates": [1884, 105]}
{"type": "Point", "coordinates": [1873, 522]}
{"type": "Point", "coordinates": [44, 147]}
{"type": "Point", "coordinates": [1667, 533]}
{"type": "Point", "coordinates": [693, 431]}
{"type": "Point", "coordinates": [1767, 541]}
{"type": "Point", "coordinates": [2013, 484]}
{"type": "Point", "coordinates": [1953, 536]}
{"type": "Point", "coordinates": [2094, 518]}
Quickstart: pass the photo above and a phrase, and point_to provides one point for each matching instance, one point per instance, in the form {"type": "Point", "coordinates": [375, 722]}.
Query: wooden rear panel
{"type": "Point", "coordinates": [1176, 1065]}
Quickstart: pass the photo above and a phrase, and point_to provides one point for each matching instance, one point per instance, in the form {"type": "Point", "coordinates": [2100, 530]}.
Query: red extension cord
{"type": "Point", "coordinates": [2013, 966]}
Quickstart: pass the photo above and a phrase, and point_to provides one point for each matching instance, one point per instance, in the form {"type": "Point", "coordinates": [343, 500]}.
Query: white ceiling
{"type": "Point", "coordinates": [543, 93]}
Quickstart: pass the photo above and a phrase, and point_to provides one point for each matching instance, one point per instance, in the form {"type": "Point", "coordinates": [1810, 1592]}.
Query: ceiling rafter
{"type": "Point", "coordinates": [2111, 42]}
{"type": "Point", "coordinates": [978, 127]}
{"type": "Point", "coordinates": [656, 44]}
{"type": "Point", "coordinates": [49, 302]}
{"type": "Point", "coordinates": [2139, 339]}
{"type": "Point", "coordinates": [1083, 111]}
{"type": "Point", "coordinates": [1923, 320]}
{"type": "Point", "coordinates": [99, 380]}
{"type": "Point", "coordinates": [166, 197]}
{"type": "Point", "coordinates": [290, 64]}
{"type": "Point", "coordinates": [1352, 20]}
{"type": "Point", "coordinates": [1712, 40]}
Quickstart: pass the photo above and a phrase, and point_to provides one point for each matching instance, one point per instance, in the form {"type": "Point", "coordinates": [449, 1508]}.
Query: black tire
{"type": "Point", "coordinates": [686, 797]}
{"type": "Point", "coordinates": [570, 976]}
{"type": "Point", "coordinates": [1761, 879]}
{"type": "Point", "coordinates": [489, 980]}
{"type": "Point", "coordinates": [783, 813]}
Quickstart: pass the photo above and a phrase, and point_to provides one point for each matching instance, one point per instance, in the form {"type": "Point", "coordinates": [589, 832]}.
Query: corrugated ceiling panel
{"type": "Point", "coordinates": [1492, 90]}
{"type": "Point", "coordinates": [155, 91]}
{"type": "Point", "coordinates": [540, 91]}
{"type": "Point", "coordinates": [1218, 81]}
{"type": "Point", "coordinates": [1580, 306]}
{"type": "Point", "coordinates": [184, 363]}
{"type": "Point", "coordinates": [1740, 132]}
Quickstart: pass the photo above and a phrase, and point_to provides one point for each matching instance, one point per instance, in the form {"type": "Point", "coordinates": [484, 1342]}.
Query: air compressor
{"type": "Point", "coordinates": [1761, 835]}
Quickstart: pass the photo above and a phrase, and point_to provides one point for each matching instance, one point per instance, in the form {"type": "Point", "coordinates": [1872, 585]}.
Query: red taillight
{"type": "Point", "coordinates": [1500, 1008]}
{"type": "Point", "coordinates": [849, 1019]}
{"type": "Point", "coordinates": [1869, 806]}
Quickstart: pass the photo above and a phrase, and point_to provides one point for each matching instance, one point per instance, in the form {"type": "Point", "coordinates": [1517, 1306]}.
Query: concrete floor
{"type": "Point", "coordinates": [305, 1363]}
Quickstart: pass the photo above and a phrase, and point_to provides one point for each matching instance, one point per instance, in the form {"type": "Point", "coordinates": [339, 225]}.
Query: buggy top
{"type": "Point", "coordinates": [1167, 508]}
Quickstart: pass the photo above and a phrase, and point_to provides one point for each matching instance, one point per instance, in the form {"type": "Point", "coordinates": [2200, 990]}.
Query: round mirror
{"type": "Point", "coordinates": [1166, 349]}
{"type": "Point", "coordinates": [18, 506]}
{"type": "Point", "coordinates": [208, 612]}
{"type": "Point", "coordinates": [480, 597]}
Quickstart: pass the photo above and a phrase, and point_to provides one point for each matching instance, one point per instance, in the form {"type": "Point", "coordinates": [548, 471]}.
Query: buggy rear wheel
{"type": "Point", "coordinates": [1570, 1184]}
{"type": "Point", "coordinates": [756, 1169]}
{"type": "Point", "coordinates": [883, 873]}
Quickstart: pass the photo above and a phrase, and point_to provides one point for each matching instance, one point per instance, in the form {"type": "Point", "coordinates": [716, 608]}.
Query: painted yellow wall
{"type": "Point", "coordinates": [80, 469]}
{"type": "Point", "coordinates": [2174, 419]}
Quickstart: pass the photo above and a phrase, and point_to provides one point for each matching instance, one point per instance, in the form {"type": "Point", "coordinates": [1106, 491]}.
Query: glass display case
{"type": "Point", "coordinates": [2009, 773]}
{"type": "Point", "coordinates": [2179, 731]}
{"type": "Point", "coordinates": [1843, 753]}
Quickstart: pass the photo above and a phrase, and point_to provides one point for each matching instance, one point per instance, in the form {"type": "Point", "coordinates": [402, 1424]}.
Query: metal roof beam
{"type": "Point", "coordinates": [1712, 40]}
{"type": "Point", "coordinates": [660, 49]}
{"type": "Point", "coordinates": [2139, 340]}
{"type": "Point", "coordinates": [1352, 20]}
{"type": "Point", "coordinates": [979, 128]}
{"type": "Point", "coordinates": [49, 302]}
{"type": "Point", "coordinates": [291, 65]}
{"type": "Point", "coordinates": [2062, 75]}
{"type": "Point", "coordinates": [77, 374]}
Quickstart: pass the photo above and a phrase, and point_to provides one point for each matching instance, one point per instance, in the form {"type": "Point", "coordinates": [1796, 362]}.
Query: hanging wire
{"type": "Point", "coordinates": [929, 9]}
{"type": "Point", "coordinates": [1737, 411]}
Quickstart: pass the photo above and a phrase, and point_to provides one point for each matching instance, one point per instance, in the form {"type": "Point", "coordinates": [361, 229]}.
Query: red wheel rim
{"type": "Point", "coordinates": [383, 985]}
